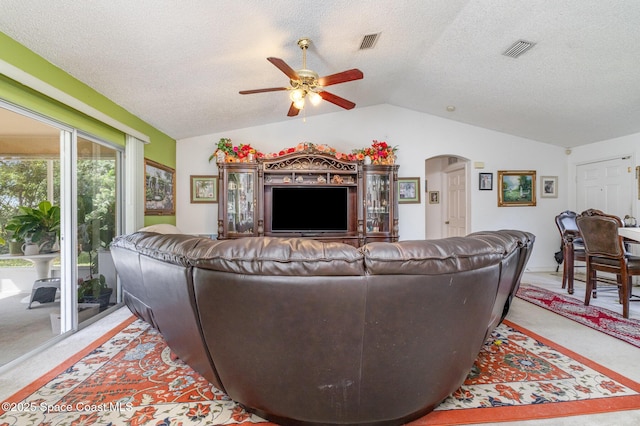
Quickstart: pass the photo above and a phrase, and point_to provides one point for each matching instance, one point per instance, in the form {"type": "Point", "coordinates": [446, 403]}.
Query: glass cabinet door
{"type": "Point", "coordinates": [378, 203]}
{"type": "Point", "coordinates": [240, 203]}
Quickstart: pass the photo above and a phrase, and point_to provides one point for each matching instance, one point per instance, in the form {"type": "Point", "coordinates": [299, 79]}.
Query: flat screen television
{"type": "Point", "coordinates": [310, 209]}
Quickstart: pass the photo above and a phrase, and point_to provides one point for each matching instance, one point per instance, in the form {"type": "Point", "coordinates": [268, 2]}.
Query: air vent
{"type": "Point", "coordinates": [518, 48]}
{"type": "Point", "coordinates": [369, 41]}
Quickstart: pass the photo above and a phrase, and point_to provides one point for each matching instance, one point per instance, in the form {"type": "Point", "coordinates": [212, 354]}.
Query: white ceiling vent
{"type": "Point", "coordinates": [369, 41]}
{"type": "Point", "coordinates": [518, 48]}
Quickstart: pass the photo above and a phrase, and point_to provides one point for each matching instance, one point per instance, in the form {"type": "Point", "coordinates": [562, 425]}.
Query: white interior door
{"type": "Point", "coordinates": [456, 202]}
{"type": "Point", "coordinates": [606, 185]}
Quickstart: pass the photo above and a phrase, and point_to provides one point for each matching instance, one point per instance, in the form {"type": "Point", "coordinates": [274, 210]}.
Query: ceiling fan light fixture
{"type": "Point", "coordinates": [299, 103]}
{"type": "Point", "coordinates": [314, 98]}
{"type": "Point", "coordinates": [303, 82]}
{"type": "Point", "coordinates": [296, 95]}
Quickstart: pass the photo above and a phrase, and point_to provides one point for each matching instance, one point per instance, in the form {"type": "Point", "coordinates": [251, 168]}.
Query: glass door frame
{"type": "Point", "coordinates": [68, 209]}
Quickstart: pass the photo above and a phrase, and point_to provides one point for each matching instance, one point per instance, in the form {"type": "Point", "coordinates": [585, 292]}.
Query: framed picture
{"type": "Point", "coordinates": [517, 188]}
{"type": "Point", "coordinates": [408, 190]}
{"type": "Point", "coordinates": [159, 189]}
{"type": "Point", "coordinates": [548, 186]}
{"type": "Point", "coordinates": [486, 182]}
{"type": "Point", "coordinates": [204, 189]}
{"type": "Point", "coordinates": [434, 197]}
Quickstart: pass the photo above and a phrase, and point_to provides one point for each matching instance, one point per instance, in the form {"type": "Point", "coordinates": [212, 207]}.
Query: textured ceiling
{"type": "Point", "coordinates": [180, 64]}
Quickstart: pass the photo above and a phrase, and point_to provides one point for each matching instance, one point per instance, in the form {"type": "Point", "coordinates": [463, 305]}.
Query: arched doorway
{"type": "Point", "coordinates": [447, 210]}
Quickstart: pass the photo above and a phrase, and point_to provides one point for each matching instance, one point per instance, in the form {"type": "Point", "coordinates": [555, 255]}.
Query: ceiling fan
{"type": "Point", "coordinates": [306, 83]}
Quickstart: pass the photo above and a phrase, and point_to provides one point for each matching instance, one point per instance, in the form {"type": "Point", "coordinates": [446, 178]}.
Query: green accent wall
{"type": "Point", "coordinates": [161, 148]}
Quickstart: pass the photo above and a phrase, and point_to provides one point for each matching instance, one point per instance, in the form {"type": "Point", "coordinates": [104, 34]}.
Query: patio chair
{"type": "Point", "coordinates": [44, 290]}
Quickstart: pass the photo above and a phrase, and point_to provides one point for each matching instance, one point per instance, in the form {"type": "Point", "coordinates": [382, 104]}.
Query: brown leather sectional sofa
{"type": "Point", "coordinates": [304, 332]}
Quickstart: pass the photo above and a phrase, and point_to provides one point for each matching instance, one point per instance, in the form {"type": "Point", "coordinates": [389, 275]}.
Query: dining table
{"type": "Point", "coordinates": [631, 233]}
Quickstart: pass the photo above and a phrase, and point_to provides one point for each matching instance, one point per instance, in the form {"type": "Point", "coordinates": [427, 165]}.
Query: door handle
{"type": "Point", "coordinates": [447, 222]}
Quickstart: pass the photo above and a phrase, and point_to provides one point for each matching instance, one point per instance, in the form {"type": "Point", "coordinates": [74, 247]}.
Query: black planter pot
{"type": "Point", "coordinates": [103, 299]}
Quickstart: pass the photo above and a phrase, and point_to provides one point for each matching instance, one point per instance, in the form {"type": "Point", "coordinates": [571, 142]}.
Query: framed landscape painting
{"type": "Point", "coordinates": [159, 189]}
{"type": "Point", "coordinates": [517, 188]}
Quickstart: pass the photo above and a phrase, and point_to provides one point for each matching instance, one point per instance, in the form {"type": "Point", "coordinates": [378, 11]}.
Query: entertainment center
{"type": "Point", "coordinates": [308, 194]}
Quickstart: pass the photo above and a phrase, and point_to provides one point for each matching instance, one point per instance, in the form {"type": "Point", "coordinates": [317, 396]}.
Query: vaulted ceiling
{"type": "Point", "coordinates": [179, 65]}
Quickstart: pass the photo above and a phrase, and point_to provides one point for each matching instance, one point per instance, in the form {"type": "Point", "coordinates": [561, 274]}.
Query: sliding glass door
{"type": "Point", "coordinates": [98, 203]}
{"type": "Point", "coordinates": [54, 277]}
{"type": "Point", "coordinates": [29, 175]}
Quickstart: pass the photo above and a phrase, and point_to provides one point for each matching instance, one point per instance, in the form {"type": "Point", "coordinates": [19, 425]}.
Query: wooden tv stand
{"type": "Point", "coordinates": [246, 196]}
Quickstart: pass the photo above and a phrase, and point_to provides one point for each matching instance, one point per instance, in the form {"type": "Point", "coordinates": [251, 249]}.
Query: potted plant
{"type": "Point", "coordinates": [39, 225]}
{"type": "Point", "coordinates": [14, 244]}
{"type": "Point", "coordinates": [94, 290]}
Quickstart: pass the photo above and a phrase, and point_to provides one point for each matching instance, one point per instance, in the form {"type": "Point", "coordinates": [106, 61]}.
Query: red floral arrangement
{"type": "Point", "coordinates": [379, 152]}
{"type": "Point", "coordinates": [246, 151]}
{"type": "Point", "coordinates": [231, 154]}
{"type": "Point", "coordinates": [310, 147]}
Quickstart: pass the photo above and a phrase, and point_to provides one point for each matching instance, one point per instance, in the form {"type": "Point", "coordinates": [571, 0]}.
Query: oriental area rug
{"type": "Point", "coordinates": [132, 378]}
{"type": "Point", "coordinates": [601, 319]}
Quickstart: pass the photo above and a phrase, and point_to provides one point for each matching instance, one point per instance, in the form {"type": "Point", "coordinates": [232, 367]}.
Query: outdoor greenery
{"type": "Point", "coordinates": [92, 287]}
{"type": "Point", "coordinates": [96, 204]}
{"type": "Point", "coordinates": [23, 183]}
{"type": "Point", "coordinates": [35, 223]}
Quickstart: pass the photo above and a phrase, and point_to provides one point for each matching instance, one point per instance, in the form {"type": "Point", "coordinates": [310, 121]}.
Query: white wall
{"type": "Point", "coordinates": [419, 137]}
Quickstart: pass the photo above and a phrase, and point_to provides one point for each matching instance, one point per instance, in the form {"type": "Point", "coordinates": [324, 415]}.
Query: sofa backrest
{"type": "Point", "coordinates": [511, 245]}
{"type": "Point", "coordinates": [430, 257]}
{"type": "Point", "coordinates": [270, 256]}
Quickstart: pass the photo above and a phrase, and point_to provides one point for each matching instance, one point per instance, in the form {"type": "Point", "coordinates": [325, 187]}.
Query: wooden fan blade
{"type": "Point", "coordinates": [293, 111]}
{"type": "Point", "coordinates": [271, 89]}
{"type": "Point", "coordinates": [341, 77]}
{"type": "Point", "coordinates": [337, 100]}
{"type": "Point", "coordinates": [282, 66]}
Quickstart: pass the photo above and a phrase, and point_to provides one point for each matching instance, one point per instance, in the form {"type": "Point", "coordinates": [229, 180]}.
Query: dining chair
{"type": "Point", "coordinates": [605, 252]}
{"type": "Point", "coordinates": [572, 246]}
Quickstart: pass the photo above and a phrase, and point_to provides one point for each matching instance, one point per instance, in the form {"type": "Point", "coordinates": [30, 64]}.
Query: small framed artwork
{"type": "Point", "coordinates": [159, 189]}
{"type": "Point", "coordinates": [434, 197]}
{"type": "Point", "coordinates": [486, 182]}
{"type": "Point", "coordinates": [408, 190]}
{"type": "Point", "coordinates": [517, 188]}
{"type": "Point", "coordinates": [549, 186]}
{"type": "Point", "coordinates": [204, 189]}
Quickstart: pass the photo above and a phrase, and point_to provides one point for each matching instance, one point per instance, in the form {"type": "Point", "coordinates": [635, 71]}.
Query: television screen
{"type": "Point", "coordinates": [312, 209]}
